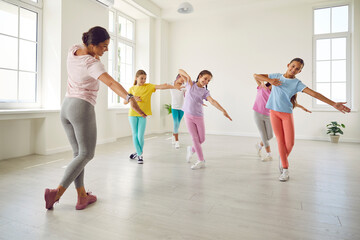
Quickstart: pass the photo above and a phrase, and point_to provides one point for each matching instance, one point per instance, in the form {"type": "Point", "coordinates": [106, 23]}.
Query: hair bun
{"type": "Point", "coordinates": [85, 38]}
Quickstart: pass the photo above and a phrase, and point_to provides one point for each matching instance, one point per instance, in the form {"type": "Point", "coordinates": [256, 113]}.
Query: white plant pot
{"type": "Point", "coordinates": [334, 138]}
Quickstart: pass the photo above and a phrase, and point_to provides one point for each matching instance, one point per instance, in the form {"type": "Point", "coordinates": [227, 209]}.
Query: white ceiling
{"type": "Point", "coordinates": [206, 7]}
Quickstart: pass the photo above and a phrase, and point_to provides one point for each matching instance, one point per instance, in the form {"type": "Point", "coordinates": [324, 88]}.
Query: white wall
{"type": "Point", "coordinates": [242, 41]}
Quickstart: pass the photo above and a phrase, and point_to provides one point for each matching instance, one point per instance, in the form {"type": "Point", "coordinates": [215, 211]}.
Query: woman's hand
{"type": "Point", "coordinates": [138, 99]}
{"type": "Point", "coordinates": [341, 107]}
{"type": "Point", "coordinates": [136, 107]}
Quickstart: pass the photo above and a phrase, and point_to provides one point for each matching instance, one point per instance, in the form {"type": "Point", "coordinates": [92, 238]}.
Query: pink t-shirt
{"type": "Point", "coordinates": [262, 97]}
{"type": "Point", "coordinates": [83, 74]}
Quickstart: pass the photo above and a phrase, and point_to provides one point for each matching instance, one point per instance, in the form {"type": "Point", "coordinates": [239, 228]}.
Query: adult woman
{"type": "Point", "coordinates": [77, 111]}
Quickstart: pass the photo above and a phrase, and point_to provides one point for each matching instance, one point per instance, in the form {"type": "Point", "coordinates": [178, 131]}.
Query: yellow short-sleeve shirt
{"type": "Point", "coordinates": [144, 92]}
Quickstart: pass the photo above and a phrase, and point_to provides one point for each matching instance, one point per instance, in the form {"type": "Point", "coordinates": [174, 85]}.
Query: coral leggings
{"type": "Point", "coordinates": [283, 127]}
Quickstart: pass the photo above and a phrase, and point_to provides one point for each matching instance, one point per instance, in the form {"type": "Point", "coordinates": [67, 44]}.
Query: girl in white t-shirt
{"type": "Point", "coordinates": [177, 101]}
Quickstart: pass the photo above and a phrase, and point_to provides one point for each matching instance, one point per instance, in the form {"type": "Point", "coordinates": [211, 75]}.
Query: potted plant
{"type": "Point", "coordinates": [334, 129]}
{"type": "Point", "coordinates": [168, 108]}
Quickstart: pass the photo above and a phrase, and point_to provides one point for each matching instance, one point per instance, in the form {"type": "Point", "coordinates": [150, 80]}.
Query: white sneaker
{"type": "Point", "coordinates": [177, 145]}
{"type": "Point", "coordinates": [198, 165]}
{"type": "Point", "coordinates": [284, 176]}
{"type": "Point", "coordinates": [189, 154]}
{"type": "Point", "coordinates": [258, 148]}
{"type": "Point", "coordinates": [267, 158]}
{"type": "Point", "coordinates": [280, 165]}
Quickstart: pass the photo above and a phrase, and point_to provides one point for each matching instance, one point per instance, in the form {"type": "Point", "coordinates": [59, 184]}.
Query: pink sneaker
{"type": "Point", "coordinates": [84, 201]}
{"type": "Point", "coordinates": [50, 195]}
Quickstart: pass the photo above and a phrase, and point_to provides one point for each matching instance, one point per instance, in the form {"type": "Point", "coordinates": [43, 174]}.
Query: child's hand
{"type": "Point", "coordinates": [138, 99]}
{"type": "Point", "coordinates": [204, 105]}
{"type": "Point", "coordinates": [179, 87]}
{"type": "Point", "coordinates": [275, 82]}
{"type": "Point", "coordinates": [306, 110]}
{"type": "Point", "coordinates": [341, 107]}
{"type": "Point", "coordinates": [227, 115]}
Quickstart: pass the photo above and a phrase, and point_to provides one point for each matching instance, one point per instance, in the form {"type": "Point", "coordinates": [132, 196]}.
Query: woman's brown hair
{"type": "Point", "coordinates": [139, 73]}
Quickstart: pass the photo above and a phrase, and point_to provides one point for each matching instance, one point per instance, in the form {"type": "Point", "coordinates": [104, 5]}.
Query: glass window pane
{"type": "Point", "coordinates": [339, 19]}
{"type": "Point", "coordinates": [338, 71]}
{"type": "Point", "coordinates": [129, 55]}
{"type": "Point", "coordinates": [8, 15]}
{"type": "Point", "coordinates": [338, 47]}
{"type": "Point", "coordinates": [324, 89]}
{"type": "Point", "coordinates": [129, 76]}
{"type": "Point", "coordinates": [111, 21]}
{"type": "Point", "coordinates": [323, 49]}
{"type": "Point", "coordinates": [122, 26]}
{"type": "Point", "coordinates": [111, 50]}
{"type": "Point", "coordinates": [110, 68]}
{"type": "Point", "coordinates": [27, 87]}
{"type": "Point", "coordinates": [27, 56]}
{"type": "Point", "coordinates": [8, 85]}
{"type": "Point", "coordinates": [122, 72]}
{"type": "Point", "coordinates": [322, 21]}
{"type": "Point", "coordinates": [338, 92]}
{"type": "Point", "coordinates": [121, 52]}
{"type": "Point", "coordinates": [323, 71]}
{"type": "Point", "coordinates": [28, 24]}
{"type": "Point", "coordinates": [9, 48]}
{"type": "Point", "coordinates": [129, 29]}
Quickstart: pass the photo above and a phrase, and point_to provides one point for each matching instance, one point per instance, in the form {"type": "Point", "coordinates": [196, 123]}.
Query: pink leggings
{"type": "Point", "coordinates": [196, 127]}
{"type": "Point", "coordinates": [283, 126]}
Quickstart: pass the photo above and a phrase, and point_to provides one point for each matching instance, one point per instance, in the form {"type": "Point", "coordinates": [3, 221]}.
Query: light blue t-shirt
{"type": "Point", "coordinates": [280, 96]}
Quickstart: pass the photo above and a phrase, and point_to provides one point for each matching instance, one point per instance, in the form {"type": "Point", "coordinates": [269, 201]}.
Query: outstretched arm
{"type": "Point", "coordinates": [218, 106]}
{"type": "Point", "coordinates": [167, 86]}
{"type": "Point", "coordinates": [302, 107]}
{"type": "Point", "coordinates": [119, 90]}
{"type": "Point", "coordinates": [337, 105]}
{"type": "Point", "coordinates": [185, 76]}
{"type": "Point", "coordinates": [265, 78]}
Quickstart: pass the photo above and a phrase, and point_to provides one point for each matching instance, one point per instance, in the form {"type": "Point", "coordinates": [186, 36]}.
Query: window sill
{"type": "Point", "coordinates": [119, 110]}
{"type": "Point", "coordinates": [13, 114]}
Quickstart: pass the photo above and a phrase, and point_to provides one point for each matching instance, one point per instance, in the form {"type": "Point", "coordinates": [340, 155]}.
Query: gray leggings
{"type": "Point", "coordinates": [78, 119]}
{"type": "Point", "coordinates": [264, 125]}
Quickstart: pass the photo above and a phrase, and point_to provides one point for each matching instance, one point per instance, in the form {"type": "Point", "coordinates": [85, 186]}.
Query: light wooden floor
{"type": "Point", "coordinates": [235, 197]}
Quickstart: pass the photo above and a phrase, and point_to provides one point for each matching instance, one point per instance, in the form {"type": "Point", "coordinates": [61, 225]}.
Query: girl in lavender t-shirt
{"type": "Point", "coordinates": [196, 92]}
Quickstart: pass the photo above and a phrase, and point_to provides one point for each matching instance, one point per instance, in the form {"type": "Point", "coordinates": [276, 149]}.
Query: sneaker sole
{"type": "Point", "coordinates": [282, 180]}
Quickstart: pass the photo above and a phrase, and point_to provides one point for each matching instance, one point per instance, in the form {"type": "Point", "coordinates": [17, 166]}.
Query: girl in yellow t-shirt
{"type": "Point", "coordinates": [142, 93]}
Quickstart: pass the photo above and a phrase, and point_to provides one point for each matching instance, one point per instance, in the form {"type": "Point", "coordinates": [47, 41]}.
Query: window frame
{"type": "Point", "coordinates": [116, 38]}
{"type": "Point", "coordinates": [349, 63]}
{"type": "Point", "coordinates": [35, 7]}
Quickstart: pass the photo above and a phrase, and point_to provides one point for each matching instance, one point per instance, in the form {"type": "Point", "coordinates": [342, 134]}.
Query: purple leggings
{"type": "Point", "coordinates": [196, 127]}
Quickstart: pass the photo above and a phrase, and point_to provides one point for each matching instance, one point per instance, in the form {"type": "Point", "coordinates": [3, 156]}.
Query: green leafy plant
{"type": "Point", "coordinates": [334, 128]}
{"type": "Point", "coordinates": [168, 107]}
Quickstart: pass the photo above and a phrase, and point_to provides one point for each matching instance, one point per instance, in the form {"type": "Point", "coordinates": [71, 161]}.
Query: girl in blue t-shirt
{"type": "Point", "coordinates": [285, 86]}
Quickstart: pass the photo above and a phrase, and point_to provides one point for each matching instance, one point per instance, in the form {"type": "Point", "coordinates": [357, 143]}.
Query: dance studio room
{"type": "Point", "coordinates": [180, 119]}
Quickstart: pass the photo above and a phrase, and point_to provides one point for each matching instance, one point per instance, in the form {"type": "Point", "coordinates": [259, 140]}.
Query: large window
{"type": "Point", "coordinates": [19, 46]}
{"type": "Point", "coordinates": [121, 53]}
{"type": "Point", "coordinates": [332, 60]}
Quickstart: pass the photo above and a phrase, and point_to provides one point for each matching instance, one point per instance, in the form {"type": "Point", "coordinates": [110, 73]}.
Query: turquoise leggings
{"type": "Point", "coordinates": [138, 125]}
{"type": "Point", "coordinates": [177, 116]}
